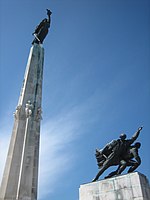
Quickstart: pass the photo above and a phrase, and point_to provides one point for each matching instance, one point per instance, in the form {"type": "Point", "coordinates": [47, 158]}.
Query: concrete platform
{"type": "Point", "coordinates": [133, 186]}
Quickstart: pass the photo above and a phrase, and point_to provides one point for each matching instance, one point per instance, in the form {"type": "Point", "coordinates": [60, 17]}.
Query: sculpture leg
{"type": "Point", "coordinates": [132, 168]}
{"type": "Point", "coordinates": [100, 172]}
{"type": "Point", "coordinates": [122, 167]}
{"type": "Point", "coordinates": [134, 164]}
{"type": "Point", "coordinates": [105, 166]}
{"type": "Point", "coordinates": [109, 162]}
{"type": "Point", "coordinates": [113, 173]}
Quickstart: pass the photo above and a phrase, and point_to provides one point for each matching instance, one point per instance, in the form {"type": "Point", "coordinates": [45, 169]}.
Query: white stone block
{"type": "Point", "coordinates": [133, 186]}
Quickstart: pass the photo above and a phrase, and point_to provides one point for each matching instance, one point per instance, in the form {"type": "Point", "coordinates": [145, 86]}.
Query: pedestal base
{"type": "Point", "coordinates": [133, 186]}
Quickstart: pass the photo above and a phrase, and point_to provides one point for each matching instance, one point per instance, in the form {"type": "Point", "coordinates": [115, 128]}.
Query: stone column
{"type": "Point", "coordinates": [132, 186]}
{"type": "Point", "coordinates": [20, 179]}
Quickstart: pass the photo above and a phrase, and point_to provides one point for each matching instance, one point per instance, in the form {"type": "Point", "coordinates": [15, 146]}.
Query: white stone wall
{"type": "Point", "coordinates": [133, 186]}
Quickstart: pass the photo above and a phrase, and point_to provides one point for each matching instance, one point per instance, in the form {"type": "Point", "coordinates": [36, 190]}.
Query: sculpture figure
{"type": "Point", "coordinates": [16, 113]}
{"type": "Point", "coordinates": [39, 114]}
{"type": "Point", "coordinates": [112, 153]}
{"type": "Point", "coordinates": [131, 158]}
{"type": "Point", "coordinates": [42, 29]}
{"type": "Point", "coordinates": [28, 109]}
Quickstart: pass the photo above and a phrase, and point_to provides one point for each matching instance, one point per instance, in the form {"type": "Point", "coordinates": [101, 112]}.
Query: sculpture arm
{"type": "Point", "coordinates": [48, 14]}
{"type": "Point", "coordinates": [49, 19]}
{"type": "Point", "coordinates": [136, 135]}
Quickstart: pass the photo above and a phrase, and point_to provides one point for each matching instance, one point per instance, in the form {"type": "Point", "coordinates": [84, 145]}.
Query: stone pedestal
{"type": "Point", "coordinates": [133, 186]}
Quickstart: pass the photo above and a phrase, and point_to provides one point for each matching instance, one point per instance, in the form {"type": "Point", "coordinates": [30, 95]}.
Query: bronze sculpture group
{"type": "Point", "coordinates": [119, 152]}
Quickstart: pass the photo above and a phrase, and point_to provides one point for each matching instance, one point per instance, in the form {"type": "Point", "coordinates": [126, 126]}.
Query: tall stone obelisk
{"type": "Point", "coordinates": [20, 179]}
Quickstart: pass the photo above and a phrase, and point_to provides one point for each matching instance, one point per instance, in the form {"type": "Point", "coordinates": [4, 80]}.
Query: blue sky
{"type": "Point", "coordinates": [96, 83]}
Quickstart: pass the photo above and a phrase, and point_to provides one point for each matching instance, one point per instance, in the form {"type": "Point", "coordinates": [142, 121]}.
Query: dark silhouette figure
{"type": "Point", "coordinates": [131, 158]}
{"type": "Point", "coordinates": [113, 152]}
{"type": "Point", "coordinates": [42, 29]}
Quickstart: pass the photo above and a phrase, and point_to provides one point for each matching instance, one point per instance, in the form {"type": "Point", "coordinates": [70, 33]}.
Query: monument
{"type": "Point", "coordinates": [119, 152]}
{"type": "Point", "coordinates": [132, 186]}
{"type": "Point", "coordinates": [20, 178]}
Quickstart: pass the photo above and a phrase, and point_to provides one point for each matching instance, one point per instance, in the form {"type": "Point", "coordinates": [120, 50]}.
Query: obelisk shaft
{"type": "Point", "coordinates": [20, 179]}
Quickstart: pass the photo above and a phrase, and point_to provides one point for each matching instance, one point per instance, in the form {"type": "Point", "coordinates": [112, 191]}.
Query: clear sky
{"type": "Point", "coordinates": [96, 83]}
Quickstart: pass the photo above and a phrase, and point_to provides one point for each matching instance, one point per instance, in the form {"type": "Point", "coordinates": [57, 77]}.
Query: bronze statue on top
{"type": "Point", "coordinates": [119, 152]}
{"type": "Point", "coordinates": [130, 159]}
{"type": "Point", "coordinates": [42, 29]}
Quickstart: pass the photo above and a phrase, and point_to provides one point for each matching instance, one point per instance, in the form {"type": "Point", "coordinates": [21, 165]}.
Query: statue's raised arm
{"type": "Point", "coordinates": [42, 29]}
{"type": "Point", "coordinates": [49, 14]}
{"type": "Point", "coordinates": [136, 135]}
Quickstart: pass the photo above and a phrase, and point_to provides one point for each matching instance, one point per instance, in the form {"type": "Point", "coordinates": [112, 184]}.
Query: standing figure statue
{"type": "Point", "coordinates": [113, 154]}
{"type": "Point", "coordinates": [42, 29]}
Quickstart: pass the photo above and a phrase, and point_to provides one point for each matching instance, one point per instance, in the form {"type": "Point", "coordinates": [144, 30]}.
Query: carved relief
{"type": "Point", "coordinates": [39, 114]}
{"type": "Point", "coordinates": [17, 112]}
{"type": "Point", "coordinates": [28, 109]}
